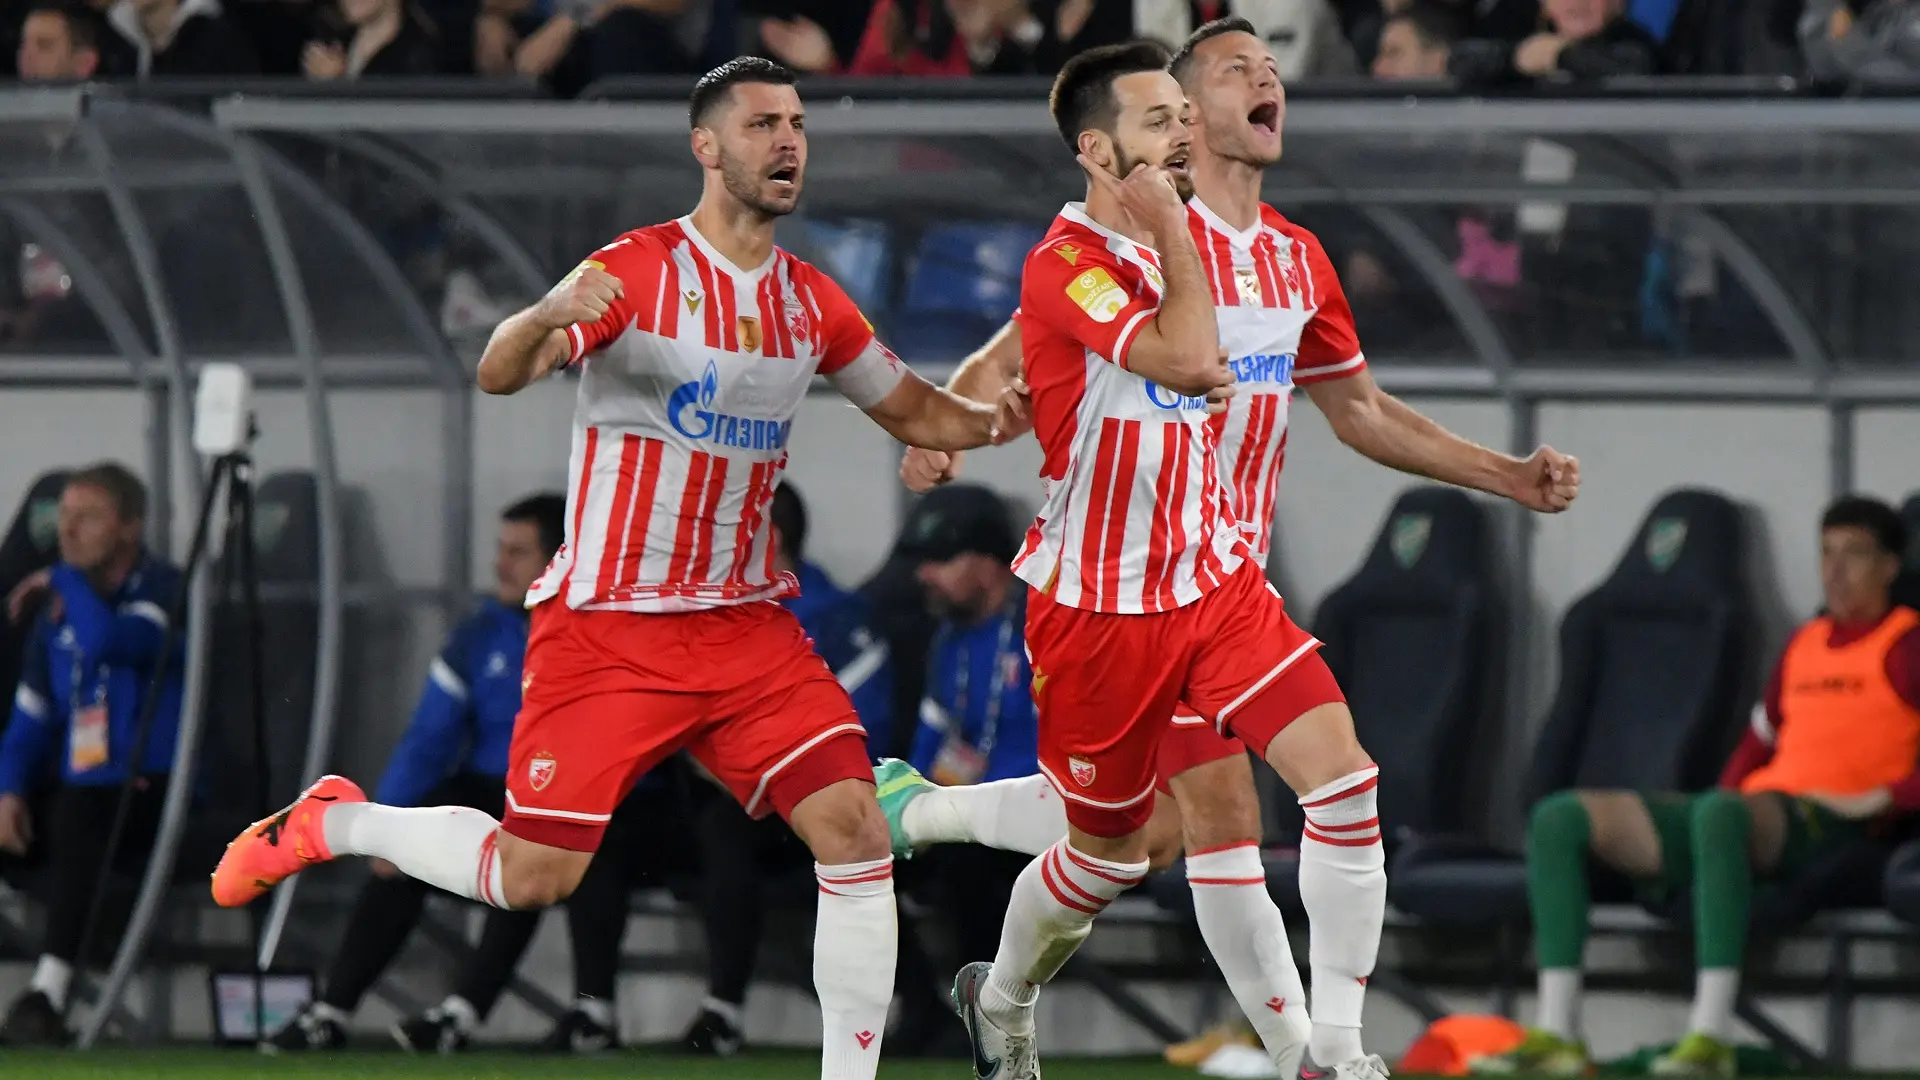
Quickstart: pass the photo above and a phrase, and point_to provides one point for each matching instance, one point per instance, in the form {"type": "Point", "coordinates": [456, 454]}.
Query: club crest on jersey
{"type": "Point", "coordinates": [690, 410]}
{"type": "Point", "coordinates": [540, 771]}
{"type": "Point", "coordinates": [1249, 282]}
{"type": "Point", "coordinates": [797, 321]}
{"type": "Point", "coordinates": [749, 328]}
{"type": "Point", "coordinates": [1096, 293]}
{"type": "Point", "coordinates": [1082, 771]}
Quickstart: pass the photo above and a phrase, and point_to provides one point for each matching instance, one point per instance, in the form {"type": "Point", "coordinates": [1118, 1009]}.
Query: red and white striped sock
{"type": "Point", "coordinates": [1051, 912]}
{"type": "Point", "coordinates": [1248, 939]}
{"type": "Point", "coordinates": [856, 941]}
{"type": "Point", "coordinates": [448, 847]}
{"type": "Point", "coordinates": [1343, 883]}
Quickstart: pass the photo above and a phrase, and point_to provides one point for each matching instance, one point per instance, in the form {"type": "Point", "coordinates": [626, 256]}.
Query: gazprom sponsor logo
{"type": "Point", "coordinates": [1169, 400]}
{"type": "Point", "coordinates": [1263, 368]}
{"type": "Point", "coordinates": [690, 411]}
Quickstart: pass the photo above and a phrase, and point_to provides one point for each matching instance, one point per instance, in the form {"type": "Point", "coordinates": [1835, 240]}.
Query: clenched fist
{"type": "Point", "coordinates": [581, 297]}
{"type": "Point", "coordinates": [924, 470]}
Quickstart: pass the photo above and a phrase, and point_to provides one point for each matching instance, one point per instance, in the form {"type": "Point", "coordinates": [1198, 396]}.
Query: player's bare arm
{"type": "Point", "coordinates": [921, 414]}
{"type": "Point", "coordinates": [532, 343]}
{"type": "Point", "coordinates": [1396, 435]}
{"type": "Point", "coordinates": [986, 374]}
{"type": "Point", "coordinates": [1179, 347]}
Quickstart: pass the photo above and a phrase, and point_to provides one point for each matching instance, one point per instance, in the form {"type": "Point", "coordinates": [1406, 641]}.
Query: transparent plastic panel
{"type": "Point", "coordinates": [213, 258]}
{"type": "Point", "coordinates": [1850, 271]}
{"type": "Point", "coordinates": [42, 308]}
{"type": "Point", "coordinates": [41, 278]}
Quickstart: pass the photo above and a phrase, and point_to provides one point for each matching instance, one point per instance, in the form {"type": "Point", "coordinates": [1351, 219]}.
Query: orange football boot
{"type": "Point", "coordinates": [278, 847]}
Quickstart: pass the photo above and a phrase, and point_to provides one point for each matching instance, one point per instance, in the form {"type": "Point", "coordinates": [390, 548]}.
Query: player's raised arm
{"type": "Point", "coordinates": [1178, 346]}
{"type": "Point", "coordinates": [534, 342]}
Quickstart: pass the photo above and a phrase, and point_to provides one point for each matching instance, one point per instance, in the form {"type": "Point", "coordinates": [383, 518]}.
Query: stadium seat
{"type": "Point", "coordinates": [287, 549]}
{"type": "Point", "coordinates": [1906, 590]}
{"type": "Point", "coordinates": [1651, 667]}
{"type": "Point", "coordinates": [31, 542]}
{"type": "Point", "coordinates": [859, 254]}
{"type": "Point", "coordinates": [1902, 879]}
{"type": "Point", "coordinates": [1410, 637]}
{"type": "Point", "coordinates": [971, 267]}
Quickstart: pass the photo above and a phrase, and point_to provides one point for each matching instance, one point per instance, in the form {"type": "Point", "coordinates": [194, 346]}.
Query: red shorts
{"type": "Point", "coordinates": [1107, 684]}
{"type": "Point", "coordinates": [607, 695]}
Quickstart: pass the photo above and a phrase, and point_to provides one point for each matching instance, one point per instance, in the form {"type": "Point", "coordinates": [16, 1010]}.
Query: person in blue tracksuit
{"type": "Point", "coordinates": [841, 626]}
{"type": "Point", "coordinates": [454, 753]}
{"type": "Point", "coordinates": [977, 720]}
{"type": "Point", "coordinates": [94, 649]}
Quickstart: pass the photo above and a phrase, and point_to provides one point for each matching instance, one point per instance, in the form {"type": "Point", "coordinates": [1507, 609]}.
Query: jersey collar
{"type": "Point", "coordinates": [1077, 213]}
{"type": "Point", "coordinates": [1242, 237]}
{"type": "Point", "coordinates": [713, 254]}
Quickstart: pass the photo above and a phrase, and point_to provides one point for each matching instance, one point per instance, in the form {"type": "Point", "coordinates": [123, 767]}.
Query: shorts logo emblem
{"type": "Point", "coordinates": [1082, 771]}
{"type": "Point", "coordinates": [540, 771]}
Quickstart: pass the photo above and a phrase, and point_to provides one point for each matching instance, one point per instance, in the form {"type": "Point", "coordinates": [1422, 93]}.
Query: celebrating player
{"type": "Point", "coordinates": [699, 339]}
{"type": "Point", "coordinates": [1282, 320]}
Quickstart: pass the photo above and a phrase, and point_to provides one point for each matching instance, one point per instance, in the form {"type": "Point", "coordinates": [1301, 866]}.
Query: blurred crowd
{"type": "Point", "coordinates": [567, 44]}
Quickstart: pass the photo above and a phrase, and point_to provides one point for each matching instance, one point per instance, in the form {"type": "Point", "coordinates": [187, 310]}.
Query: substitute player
{"type": "Point", "coordinates": [652, 629]}
{"type": "Point", "coordinates": [1282, 318]}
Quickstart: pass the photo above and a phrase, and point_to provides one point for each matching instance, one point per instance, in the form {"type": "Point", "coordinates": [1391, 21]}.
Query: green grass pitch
{"type": "Point", "coordinates": [203, 1064]}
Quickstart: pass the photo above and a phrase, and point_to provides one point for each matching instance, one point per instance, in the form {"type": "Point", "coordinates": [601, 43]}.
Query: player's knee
{"type": "Point", "coordinates": [1164, 833]}
{"type": "Point", "coordinates": [842, 824]}
{"type": "Point", "coordinates": [1219, 806]}
{"type": "Point", "coordinates": [1317, 748]}
{"type": "Point", "coordinates": [1718, 819]}
{"type": "Point", "coordinates": [534, 876]}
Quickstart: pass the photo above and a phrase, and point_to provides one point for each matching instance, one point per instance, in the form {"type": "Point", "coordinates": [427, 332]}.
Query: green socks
{"type": "Point", "coordinates": [1722, 878]}
{"type": "Point", "coordinates": [1557, 879]}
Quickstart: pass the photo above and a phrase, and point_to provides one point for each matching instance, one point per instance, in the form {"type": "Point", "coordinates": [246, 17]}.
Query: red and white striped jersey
{"type": "Point", "coordinates": [1135, 519]}
{"type": "Point", "coordinates": [1284, 322]}
{"type": "Point", "coordinates": [687, 398]}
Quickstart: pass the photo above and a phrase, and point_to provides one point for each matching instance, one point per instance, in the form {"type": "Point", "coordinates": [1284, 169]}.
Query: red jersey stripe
{"type": "Point", "coordinates": [1229, 282]}
{"type": "Point", "coordinates": [749, 527]}
{"type": "Point", "coordinates": [710, 303]}
{"type": "Point", "coordinates": [1273, 486]}
{"type": "Point", "coordinates": [619, 514]}
{"type": "Point", "coordinates": [1153, 585]}
{"type": "Point", "coordinates": [666, 321]}
{"type": "Point", "coordinates": [729, 310]}
{"type": "Point", "coordinates": [580, 493]}
{"type": "Point", "coordinates": [1124, 472]}
{"type": "Point", "coordinates": [1178, 545]}
{"type": "Point", "coordinates": [690, 497]}
{"type": "Point", "coordinates": [1309, 296]}
{"type": "Point", "coordinates": [1092, 544]}
{"type": "Point", "coordinates": [1271, 292]}
{"type": "Point", "coordinates": [635, 543]}
{"type": "Point", "coordinates": [1203, 242]}
{"type": "Point", "coordinates": [703, 536]}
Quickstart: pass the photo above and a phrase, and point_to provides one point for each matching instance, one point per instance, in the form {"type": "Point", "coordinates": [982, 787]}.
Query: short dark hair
{"type": "Point", "coordinates": [789, 517]}
{"type": "Point", "coordinates": [715, 86]}
{"type": "Point", "coordinates": [1432, 24]}
{"type": "Point", "coordinates": [1082, 95]}
{"type": "Point", "coordinates": [1182, 65]}
{"type": "Point", "coordinates": [129, 495]}
{"type": "Point", "coordinates": [1880, 521]}
{"type": "Point", "coordinates": [547, 511]}
{"type": "Point", "coordinates": [83, 26]}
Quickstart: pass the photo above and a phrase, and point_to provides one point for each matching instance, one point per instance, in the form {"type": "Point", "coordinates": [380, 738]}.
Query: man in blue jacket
{"type": "Point", "coordinates": [94, 648]}
{"type": "Point", "coordinates": [739, 852]}
{"type": "Point", "coordinates": [454, 753]}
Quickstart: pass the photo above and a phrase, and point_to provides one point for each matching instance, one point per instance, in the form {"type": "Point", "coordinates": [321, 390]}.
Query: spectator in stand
{"type": "Point", "coordinates": [1833, 756]}
{"type": "Point", "coordinates": [60, 41]}
{"type": "Point", "coordinates": [1852, 39]}
{"type": "Point", "coordinates": [569, 43]}
{"type": "Point", "coordinates": [372, 37]}
{"type": "Point", "coordinates": [1415, 43]}
{"type": "Point", "coordinates": [1305, 36]}
{"type": "Point", "coordinates": [954, 37]}
{"type": "Point", "coordinates": [181, 37]}
{"type": "Point", "coordinates": [1585, 39]}
{"type": "Point", "coordinates": [95, 648]}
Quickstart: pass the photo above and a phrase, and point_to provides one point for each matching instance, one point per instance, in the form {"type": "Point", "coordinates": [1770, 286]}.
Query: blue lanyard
{"type": "Point", "coordinates": [1003, 664]}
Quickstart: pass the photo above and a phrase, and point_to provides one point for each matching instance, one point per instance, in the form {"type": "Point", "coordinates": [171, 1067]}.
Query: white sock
{"type": "Point", "coordinates": [448, 847]}
{"type": "Point", "coordinates": [1248, 939]}
{"type": "Point", "coordinates": [466, 1018]}
{"type": "Point", "coordinates": [595, 1009]}
{"type": "Point", "coordinates": [1024, 815]}
{"type": "Point", "coordinates": [856, 938]}
{"type": "Point", "coordinates": [53, 977]}
{"type": "Point", "coordinates": [1051, 912]}
{"type": "Point", "coordinates": [725, 1010]}
{"type": "Point", "coordinates": [1343, 883]}
{"type": "Point", "coordinates": [1558, 1010]}
{"type": "Point", "coordinates": [1713, 992]}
